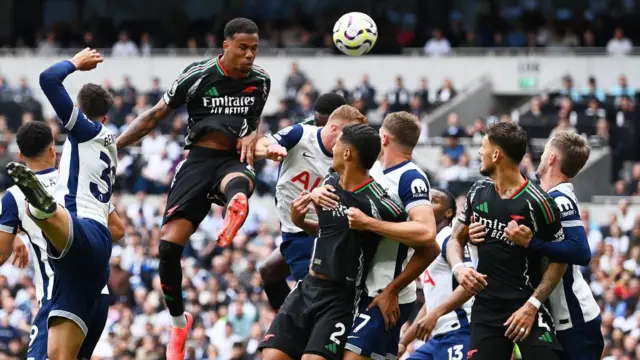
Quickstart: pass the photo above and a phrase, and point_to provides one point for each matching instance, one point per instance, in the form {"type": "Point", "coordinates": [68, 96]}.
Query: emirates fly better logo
{"type": "Point", "coordinates": [227, 105]}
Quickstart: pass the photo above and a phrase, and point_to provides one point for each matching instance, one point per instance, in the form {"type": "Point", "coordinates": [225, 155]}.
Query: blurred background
{"type": "Point", "coordinates": [459, 65]}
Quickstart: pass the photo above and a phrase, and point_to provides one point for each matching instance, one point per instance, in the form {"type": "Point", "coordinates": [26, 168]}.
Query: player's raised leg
{"type": "Point", "coordinates": [236, 187]}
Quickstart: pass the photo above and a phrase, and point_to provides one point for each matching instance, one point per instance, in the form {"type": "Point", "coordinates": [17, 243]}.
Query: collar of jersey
{"type": "Point", "coordinates": [47, 171]}
{"type": "Point", "coordinates": [324, 150]}
{"type": "Point", "coordinates": [395, 167]}
{"type": "Point", "coordinates": [566, 185]}
{"type": "Point", "coordinates": [222, 69]}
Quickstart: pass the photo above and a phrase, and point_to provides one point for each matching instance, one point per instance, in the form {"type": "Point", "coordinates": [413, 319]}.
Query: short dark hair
{"type": "Point", "coordinates": [239, 26]}
{"type": "Point", "coordinates": [34, 138]}
{"type": "Point", "coordinates": [510, 137]}
{"type": "Point", "coordinates": [94, 101]}
{"type": "Point", "coordinates": [404, 126]}
{"type": "Point", "coordinates": [365, 140]}
{"type": "Point", "coordinates": [328, 102]}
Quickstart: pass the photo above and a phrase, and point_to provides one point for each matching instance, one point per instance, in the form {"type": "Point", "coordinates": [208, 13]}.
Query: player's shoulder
{"type": "Point", "coordinates": [479, 186]}
{"type": "Point", "coordinates": [564, 190]}
{"type": "Point", "coordinates": [443, 235]}
{"type": "Point", "coordinates": [411, 175]}
{"type": "Point", "coordinates": [259, 72]}
{"type": "Point", "coordinates": [13, 194]}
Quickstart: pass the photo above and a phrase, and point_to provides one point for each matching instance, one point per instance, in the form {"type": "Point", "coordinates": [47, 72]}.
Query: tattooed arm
{"type": "Point", "coordinates": [143, 124]}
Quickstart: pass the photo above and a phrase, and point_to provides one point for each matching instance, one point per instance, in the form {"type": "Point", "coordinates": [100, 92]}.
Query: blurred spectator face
{"type": "Point", "coordinates": [588, 38]}
{"type": "Point", "coordinates": [145, 38]}
{"type": "Point", "coordinates": [123, 37]}
{"type": "Point", "coordinates": [478, 125]}
{"type": "Point", "coordinates": [505, 118]}
{"type": "Point", "coordinates": [106, 84]}
{"type": "Point", "coordinates": [594, 104]}
{"type": "Point", "coordinates": [471, 37]}
{"type": "Point", "coordinates": [447, 84]}
{"type": "Point", "coordinates": [88, 37]}
{"type": "Point", "coordinates": [22, 82]}
{"type": "Point", "coordinates": [340, 84]}
{"type": "Point", "coordinates": [294, 68]}
{"type": "Point", "coordinates": [437, 34]}
{"type": "Point", "coordinates": [126, 82]}
{"type": "Point", "coordinates": [592, 83]}
{"type": "Point", "coordinates": [283, 123]}
{"type": "Point", "coordinates": [602, 128]}
{"type": "Point", "coordinates": [155, 83]}
{"type": "Point", "coordinates": [535, 105]}
{"type": "Point", "coordinates": [27, 117]}
{"type": "Point", "coordinates": [399, 81]}
{"type": "Point", "coordinates": [416, 103]}
{"type": "Point", "coordinates": [623, 206]}
{"type": "Point", "coordinates": [619, 187]}
{"type": "Point", "coordinates": [622, 81]}
{"type": "Point", "coordinates": [51, 36]}
{"type": "Point", "coordinates": [618, 34]}
{"type": "Point", "coordinates": [566, 104]}
{"type": "Point", "coordinates": [446, 161]}
{"type": "Point", "coordinates": [365, 78]}
{"type": "Point", "coordinates": [567, 82]}
{"type": "Point", "coordinates": [452, 119]}
{"type": "Point", "coordinates": [192, 44]}
{"type": "Point", "coordinates": [463, 160]}
{"type": "Point", "coordinates": [117, 102]}
{"type": "Point", "coordinates": [422, 84]}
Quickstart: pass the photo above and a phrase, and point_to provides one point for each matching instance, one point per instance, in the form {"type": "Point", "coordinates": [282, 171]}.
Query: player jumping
{"type": "Point", "coordinates": [505, 310]}
{"type": "Point", "coordinates": [224, 97]}
{"type": "Point", "coordinates": [575, 311]}
{"type": "Point", "coordinates": [316, 317]}
{"type": "Point", "coordinates": [450, 328]}
{"type": "Point", "coordinates": [37, 151]}
{"type": "Point", "coordinates": [75, 220]}
{"type": "Point", "coordinates": [391, 277]}
{"type": "Point", "coordinates": [308, 151]}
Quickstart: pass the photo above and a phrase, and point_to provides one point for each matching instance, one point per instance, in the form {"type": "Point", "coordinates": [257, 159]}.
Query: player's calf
{"type": "Point", "coordinates": [237, 188]}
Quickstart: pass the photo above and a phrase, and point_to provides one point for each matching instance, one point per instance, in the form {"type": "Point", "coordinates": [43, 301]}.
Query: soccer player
{"type": "Point", "coordinates": [74, 220]}
{"type": "Point", "coordinates": [37, 151]}
{"type": "Point", "coordinates": [511, 282]}
{"type": "Point", "coordinates": [224, 97]}
{"type": "Point", "coordinates": [316, 317]}
{"type": "Point", "coordinates": [308, 150]}
{"type": "Point", "coordinates": [574, 309]}
{"type": "Point", "coordinates": [392, 274]}
{"type": "Point", "coordinates": [450, 328]}
{"type": "Point", "coordinates": [323, 107]}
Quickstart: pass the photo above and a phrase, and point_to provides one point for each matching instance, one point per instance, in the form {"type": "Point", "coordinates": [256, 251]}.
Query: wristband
{"type": "Point", "coordinates": [535, 302]}
{"type": "Point", "coordinates": [453, 269]}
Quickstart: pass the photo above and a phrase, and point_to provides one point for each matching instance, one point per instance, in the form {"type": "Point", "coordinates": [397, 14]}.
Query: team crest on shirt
{"type": "Point", "coordinates": [419, 188]}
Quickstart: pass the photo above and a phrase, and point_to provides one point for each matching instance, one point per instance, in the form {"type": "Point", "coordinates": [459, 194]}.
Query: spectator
{"type": "Point", "coordinates": [48, 46]}
{"type": "Point", "coordinates": [592, 91]}
{"type": "Point", "coordinates": [341, 90]}
{"type": "Point", "coordinates": [155, 93]}
{"type": "Point", "coordinates": [622, 89]}
{"type": "Point", "coordinates": [438, 45]}
{"type": "Point", "coordinates": [619, 44]}
{"type": "Point", "coordinates": [22, 92]}
{"type": "Point", "coordinates": [453, 148]}
{"type": "Point", "coordinates": [399, 97]}
{"type": "Point", "coordinates": [155, 176]}
{"type": "Point", "coordinates": [453, 127]}
{"type": "Point", "coordinates": [128, 93]}
{"type": "Point", "coordinates": [145, 44]}
{"type": "Point", "coordinates": [625, 216]}
{"type": "Point", "coordinates": [476, 130]}
{"type": "Point", "coordinates": [569, 90]}
{"type": "Point", "coordinates": [124, 47]}
{"type": "Point", "coordinates": [446, 92]}
{"type": "Point", "coordinates": [365, 92]}
{"type": "Point", "coordinates": [451, 170]}
{"type": "Point", "coordinates": [422, 92]}
{"type": "Point", "coordinates": [416, 106]}
{"type": "Point", "coordinates": [294, 82]}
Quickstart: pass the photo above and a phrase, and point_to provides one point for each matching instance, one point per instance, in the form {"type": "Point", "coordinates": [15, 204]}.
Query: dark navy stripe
{"type": "Point", "coordinates": [401, 256]}
{"type": "Point", "coordinates": [575, 311]}
{"type": "Point", "coordinates": [394, 167]}
{"type": "Point", "coordinates": [324, 150]}
{"type": "Point", "coordinates": [74, 172]}
{"type": "Point", "coordinates": [43, 272]}
{"type": "Point", "coordinates": [47, 171]}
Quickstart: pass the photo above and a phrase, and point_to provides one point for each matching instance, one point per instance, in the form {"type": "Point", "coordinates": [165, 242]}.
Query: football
{"type": "Point", "coordinates": [355, 33]}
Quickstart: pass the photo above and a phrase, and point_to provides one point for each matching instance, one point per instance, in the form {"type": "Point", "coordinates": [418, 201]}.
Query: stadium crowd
{"type": "Point", "coordinates": [222, 286]}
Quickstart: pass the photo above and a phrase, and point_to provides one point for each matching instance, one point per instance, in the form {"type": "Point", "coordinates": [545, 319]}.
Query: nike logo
{"type": "Point", "coordinates": [307, 155]}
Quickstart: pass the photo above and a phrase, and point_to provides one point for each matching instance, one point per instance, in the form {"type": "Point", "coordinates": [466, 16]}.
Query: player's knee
{"type": "Point", "coordinates": [169, 251]}
{"type": "Point", "coordinates": [267, 271]}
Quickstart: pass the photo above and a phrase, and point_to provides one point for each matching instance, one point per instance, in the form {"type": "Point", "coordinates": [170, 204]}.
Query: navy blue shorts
{"type": "Point", "coordinates": [81, 272]}
{"type": "Point", "coordinates": [39, 335]}
{"type": "Point", "coordinates": [452, 345]}
{"type": "Point", "coordinates": [583, 342]}
{"type": "Point", "coordinates": [368, 337]}
{"type": "Point", "coordinates": [297, 248]}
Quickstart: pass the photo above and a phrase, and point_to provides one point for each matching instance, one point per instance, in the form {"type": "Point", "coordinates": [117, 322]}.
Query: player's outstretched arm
{"type": "Point", "coordinates": [574, 249]}
{"type": "Point", "coordinates": [143, 124]}
{"type": "Point", "coordinates": [267, 149]}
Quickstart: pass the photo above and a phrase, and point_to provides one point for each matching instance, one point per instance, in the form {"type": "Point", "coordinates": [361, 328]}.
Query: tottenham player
{"type": "Point", "coordinates": [75, 220]}
{"type": "Point", "coordinates": [391, 278]}
{"type": "Point", "coordinates": [37, 151]}
{"type": "Point", "coordinates": [308, 158]}
{"type": "Point", "coordinates": [506, 303]}
{"type": "Point", "coordinates": [449, 327]}
{"type": "Point", "coordinates": [224, 97]}
{"type": "Point", "coordinates": [574, 309]}
{"type": "Point", "coordinates": [316, 317]}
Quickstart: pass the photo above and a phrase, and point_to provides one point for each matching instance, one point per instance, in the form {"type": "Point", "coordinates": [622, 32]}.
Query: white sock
{"type": "Point", "coordinates": [179, 321]}
{"type": "Point", "coordinates": [39, 214]}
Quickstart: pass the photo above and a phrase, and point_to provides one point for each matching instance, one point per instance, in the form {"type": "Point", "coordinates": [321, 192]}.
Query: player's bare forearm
{"type": "Point", "coordinates": [455, 245]}
{"type": "Point", "coordinates": [143, 124]}
{"type": "Point", "coordinates": [411, 233]}
{"type": "Point", "coordinates": [6, 246]}
{"type": "Point", "coordinates": [550, 279]}
{"type": "Point", "coordinates": [422, 257]}
{"type": "Point", "coordinates": [116, 226]}
{"type": "Point", "coordinates": [410, 334]}
{"type": "Point", "coordinates": [261, 148]}
{"type": "Point", "coordinates": [458, 297]}
{"type": "Point", "coordinates": [309, 226]}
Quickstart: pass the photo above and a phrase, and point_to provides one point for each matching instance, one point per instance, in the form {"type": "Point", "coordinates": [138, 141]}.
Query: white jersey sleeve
{"type": "Point", "coordinates": [87, 172]}
{"type": "Point", "coordinates": [572, 302]}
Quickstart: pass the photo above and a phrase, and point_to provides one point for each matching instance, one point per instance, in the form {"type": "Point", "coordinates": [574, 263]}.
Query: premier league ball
{"type": "Point", "coordinates": [355, 33]}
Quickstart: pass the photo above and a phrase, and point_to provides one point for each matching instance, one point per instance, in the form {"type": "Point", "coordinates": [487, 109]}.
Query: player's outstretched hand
{"type": "Point", "coordinates": [470, 280]}
{"type": "Point", "coordinates": [300, 207]}
{"type": "Point", "coordinates": [87, 59]}
{"type": "Point", "coordinates": [476, 233]}
{"type": "Point", "coordinates": [426, 325]}
{"type": "Point", "coordinates": [247, 148]}
{"type": "Point", "coordinates": [276, 152]}
{"type": "Point", "coordinates": [519, 234]}
{"type": "Point", "coordinates": [357, 219]}
{"type": "Point", "coordinates": [324, 197]}
{"type": "Point", "coordinates": [521, 322]}
{"type": "Point", "coordinates": [20, 254]}
{"type": "Point", "coordinates": [387, 302]}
